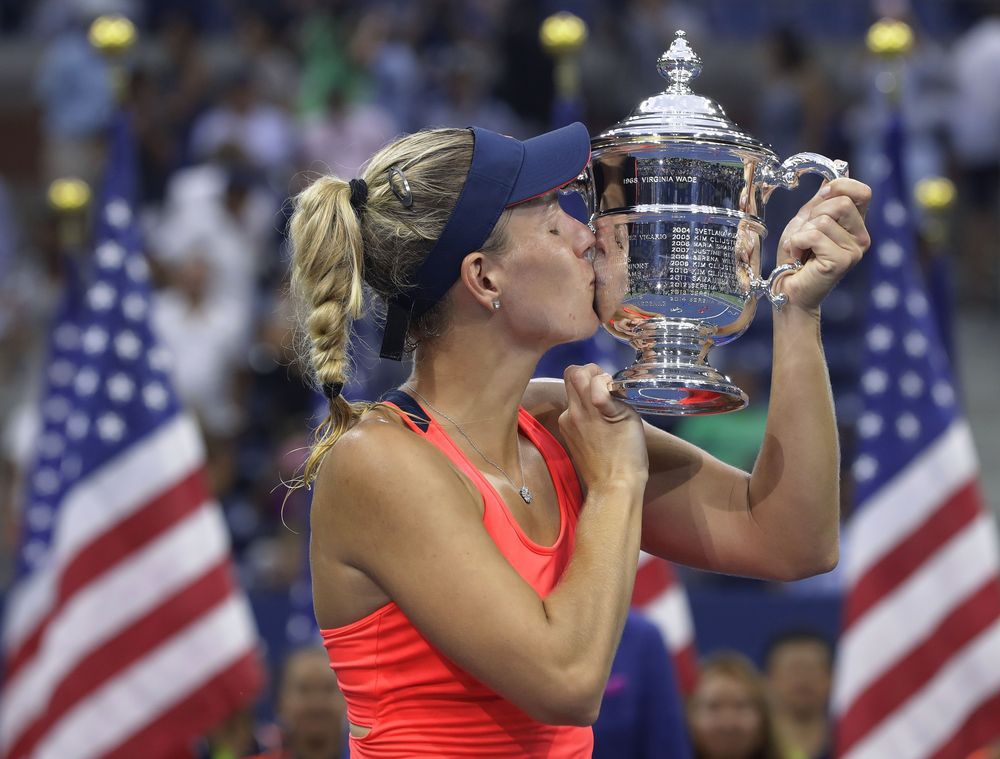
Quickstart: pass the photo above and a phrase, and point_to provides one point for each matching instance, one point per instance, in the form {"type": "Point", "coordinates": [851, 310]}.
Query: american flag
{"type": "Point", "coordinates": [660, 595]}
{"type": "Point", "coordinates": [124, 632]}
{"type": "Point", "coordinates": [918, 671]}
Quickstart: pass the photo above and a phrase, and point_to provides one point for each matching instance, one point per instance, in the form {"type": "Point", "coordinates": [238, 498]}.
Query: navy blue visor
{"type": "Point", "coordinates": [504, 172]}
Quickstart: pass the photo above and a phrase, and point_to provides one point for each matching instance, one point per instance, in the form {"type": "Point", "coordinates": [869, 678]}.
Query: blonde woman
{"type": "Point", "coordinates": [475, 535]}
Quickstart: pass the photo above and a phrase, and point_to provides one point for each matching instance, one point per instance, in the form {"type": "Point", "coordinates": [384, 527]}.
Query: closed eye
{"type": "Point", "coordinates": [554, 232]}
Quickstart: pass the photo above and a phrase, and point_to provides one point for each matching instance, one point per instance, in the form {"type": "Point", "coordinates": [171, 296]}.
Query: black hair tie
{"type": "Point", "coordinates": [359, 195]}
{"type": "Point", "coordinates": [332, 390]}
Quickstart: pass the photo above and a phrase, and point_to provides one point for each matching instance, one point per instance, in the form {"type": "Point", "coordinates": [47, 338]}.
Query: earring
{"type": "Point", "coordinates": [496, 304]}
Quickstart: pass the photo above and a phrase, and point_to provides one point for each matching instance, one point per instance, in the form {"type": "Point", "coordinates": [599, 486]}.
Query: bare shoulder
{"type": "Point", "coordinates": [369, 477]}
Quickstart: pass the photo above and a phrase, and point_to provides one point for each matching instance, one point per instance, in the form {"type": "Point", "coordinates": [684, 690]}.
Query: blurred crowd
{"type": "Point", "coordinates": [735, 710]}
{"type": "Point", "coordinates": [237, 104]}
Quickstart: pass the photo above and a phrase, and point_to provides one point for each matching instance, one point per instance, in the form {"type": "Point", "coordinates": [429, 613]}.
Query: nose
{"type": "Point", "coordinates": [583, 239]}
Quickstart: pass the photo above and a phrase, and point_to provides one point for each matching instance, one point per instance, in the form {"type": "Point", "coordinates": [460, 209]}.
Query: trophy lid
{"type": "Point", "coordinates": [678, 113]}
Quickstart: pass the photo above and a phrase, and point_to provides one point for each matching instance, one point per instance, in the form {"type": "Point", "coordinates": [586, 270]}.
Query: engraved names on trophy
{"type": "Point", "coordinates": [692, 259]}
{"type": "Point", "coordinates": [710, 265]}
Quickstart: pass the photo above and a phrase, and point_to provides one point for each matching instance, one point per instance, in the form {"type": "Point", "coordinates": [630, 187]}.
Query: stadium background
{"type": "Point", "coordinates": [236, 104]}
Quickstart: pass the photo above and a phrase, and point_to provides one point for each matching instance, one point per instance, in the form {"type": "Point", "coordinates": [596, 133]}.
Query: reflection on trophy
{"type": "Point", "coordinates": [678, 195]}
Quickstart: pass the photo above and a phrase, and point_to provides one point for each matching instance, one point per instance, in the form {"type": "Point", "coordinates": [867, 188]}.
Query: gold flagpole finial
{"type": "Point", "coordinates": [562, 35]}
{"type": "Point", "coordinates": [113, 36]}
{"type": "Point", "coordinates": [69, 198]}
{"type": "Point", "coordinates": [936, 196]}
{"type": "Point", "coordinates": [890, 37]}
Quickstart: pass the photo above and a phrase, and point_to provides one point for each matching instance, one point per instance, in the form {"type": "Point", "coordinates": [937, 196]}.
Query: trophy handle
{"type": "Point", "coordinates": [787, 174]}
{"type": "Point", "coordinates": [765, 288]}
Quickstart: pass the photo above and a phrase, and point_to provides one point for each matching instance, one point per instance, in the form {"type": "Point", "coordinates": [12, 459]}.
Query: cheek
{"type": "Point", "coordinates": [752, 725]}
{"type": "Point", "coordinates": [560, 291]}
{"type": "Point", "coordinates": [701, 726]}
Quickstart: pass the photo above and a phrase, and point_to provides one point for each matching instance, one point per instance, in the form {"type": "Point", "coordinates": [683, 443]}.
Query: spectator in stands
{"type": "Point", "coordinates": [264, 132]}
{"type": "Point", "coordinates": [201, 331]}
{"type": "Point", "coordinates": [74, 90]}
{"type": "Point", "coordinates": [233, 738]}
{"type": "Point", "coordinates": [384, 45]}
{"type": "Point", "coordinates": [165, 97]}
{"type": "Point", "coordinates": [729, 714]}
{"type": "Point", "coordinates": [261, 33]}
{"type": "Point", "coordinates": [221, 209]}
{"type": "Point", "coordinates": [310, 708]}
{"type": "Point", "coordinates": [467, 75]}
{"type": "Point", "coordinates": [975, 132]}
{"type": "Point", "coordinates": [799, 669]}
{"type": "Point", "coordinates": [345, 134]}
{"type": "Point", "coordinates": [642, 715]}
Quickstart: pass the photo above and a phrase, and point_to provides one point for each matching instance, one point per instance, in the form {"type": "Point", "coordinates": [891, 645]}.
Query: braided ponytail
{"type": "Point", "coordinates": [328, 278]}
{"type": "Point", "coordinates": [378, 242]}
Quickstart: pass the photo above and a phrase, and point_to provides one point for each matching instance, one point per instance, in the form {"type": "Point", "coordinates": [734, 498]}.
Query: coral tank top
{"type": "Point", "coordinates": [416, 702]}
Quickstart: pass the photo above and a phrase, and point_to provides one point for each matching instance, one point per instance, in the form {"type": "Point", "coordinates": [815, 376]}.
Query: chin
{"type": "Point", "coordinates": [586, 327]}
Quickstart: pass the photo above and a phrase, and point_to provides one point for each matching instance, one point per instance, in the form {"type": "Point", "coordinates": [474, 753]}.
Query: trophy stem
{"type": "Point", "coordinates": [671, 374]}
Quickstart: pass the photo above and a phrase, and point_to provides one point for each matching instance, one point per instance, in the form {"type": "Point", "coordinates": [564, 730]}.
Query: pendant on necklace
{"type": "Point", "coordinates": [525, 494]}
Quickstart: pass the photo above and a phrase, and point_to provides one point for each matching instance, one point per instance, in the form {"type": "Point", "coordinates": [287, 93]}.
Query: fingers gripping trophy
{"type": "Point", "coordinates": [677, 195]}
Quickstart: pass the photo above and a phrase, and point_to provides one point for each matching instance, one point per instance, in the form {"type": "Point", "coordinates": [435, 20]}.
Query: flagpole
{"type": "Point", "coordinates": [890, 40]}
{"type": "Point", "coordinates": [113, 36]}
{"type": "Point", "coordinates": [562, 35]}
{"type": "Point", "coordinates": [69, 198]}
{"type": "Point", "coordinates": [935, 197]}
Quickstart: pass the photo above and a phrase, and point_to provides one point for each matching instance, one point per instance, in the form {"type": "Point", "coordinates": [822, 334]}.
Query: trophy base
{"type": "Point", "coordinates": [671, 376]}
{"type": "Point", "coordinates": [670, 396]}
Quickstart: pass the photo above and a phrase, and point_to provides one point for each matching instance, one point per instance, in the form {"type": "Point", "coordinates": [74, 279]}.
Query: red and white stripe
{"type": "Point", "coordinates": [918, 671]}
{"type": "Point", "coordinates": [135, 615]}
{"type": "Point", "coordinates": [660, 596]}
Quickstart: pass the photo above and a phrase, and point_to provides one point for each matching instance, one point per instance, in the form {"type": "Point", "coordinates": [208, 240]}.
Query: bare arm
{"type": "Point", "coordinates": [781, 521]}
{"type": "Point", "coordinates": [431, 554]}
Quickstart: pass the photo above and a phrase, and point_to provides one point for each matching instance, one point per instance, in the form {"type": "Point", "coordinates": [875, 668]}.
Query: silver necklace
{"type": "Point", "coordinates": [523, 491]}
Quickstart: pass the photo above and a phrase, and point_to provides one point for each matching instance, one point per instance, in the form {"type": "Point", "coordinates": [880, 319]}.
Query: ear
{"type": "Point", "coordinates": [482, 278]}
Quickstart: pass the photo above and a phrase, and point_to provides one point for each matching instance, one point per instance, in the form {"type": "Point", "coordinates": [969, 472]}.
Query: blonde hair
{"type": "Point", "coordinates": [338, 252]}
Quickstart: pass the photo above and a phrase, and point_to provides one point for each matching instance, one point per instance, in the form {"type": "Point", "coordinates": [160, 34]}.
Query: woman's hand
{"type": "Point", "coordinates": [604, 436]}
{"type": "Point", "coordinates": [828, 236]}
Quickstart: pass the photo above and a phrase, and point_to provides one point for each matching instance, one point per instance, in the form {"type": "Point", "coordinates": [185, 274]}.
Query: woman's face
{"type": "Point", "coordinates": [548, 282]}
{"type": "Point", "coordinates": [725, 721]}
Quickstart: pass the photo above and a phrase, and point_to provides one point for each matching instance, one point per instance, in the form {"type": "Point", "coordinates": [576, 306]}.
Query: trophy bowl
{"type": "Point", "coordinates": [678, 194]}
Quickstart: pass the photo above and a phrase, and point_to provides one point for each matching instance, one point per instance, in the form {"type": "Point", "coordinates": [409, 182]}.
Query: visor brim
{"type": "Point", "coordinates": [551, 160]}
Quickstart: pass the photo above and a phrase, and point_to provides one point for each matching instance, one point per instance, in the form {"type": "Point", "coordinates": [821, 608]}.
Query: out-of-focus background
{"type": "Point", "coordinates": [236, 105]}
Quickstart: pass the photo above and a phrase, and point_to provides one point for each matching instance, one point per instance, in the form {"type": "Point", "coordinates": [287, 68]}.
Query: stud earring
{"type": "Point", "coordinates": [496, 304]}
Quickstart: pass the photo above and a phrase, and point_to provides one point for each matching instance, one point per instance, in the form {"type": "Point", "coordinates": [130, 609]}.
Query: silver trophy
{"type": "Point", "coordinates": [678, 194]}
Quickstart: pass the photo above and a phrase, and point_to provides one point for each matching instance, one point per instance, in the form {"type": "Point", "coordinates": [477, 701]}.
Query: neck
{"type": "Point", "coordinates": [807, 732]}
{"type": "Point", "coordinates": [478, 380]}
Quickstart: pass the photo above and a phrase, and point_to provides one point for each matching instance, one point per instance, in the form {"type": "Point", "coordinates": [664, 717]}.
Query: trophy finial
{"type": "Point", "coordinates": [679, 65]}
